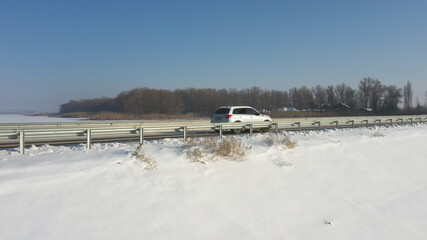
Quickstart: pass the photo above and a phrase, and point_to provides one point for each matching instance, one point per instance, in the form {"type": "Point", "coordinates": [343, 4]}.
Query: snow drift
{"type": "Point", "coordinates": [335, 184]}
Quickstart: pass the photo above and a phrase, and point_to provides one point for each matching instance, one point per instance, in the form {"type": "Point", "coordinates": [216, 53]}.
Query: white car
{"type": "Point", "coordinates": [235, 114]}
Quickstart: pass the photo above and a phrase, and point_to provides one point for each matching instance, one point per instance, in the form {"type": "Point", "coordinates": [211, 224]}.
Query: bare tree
{"type": "Point", "coordinates": [319, 96]}
{"type": "Point", "coordinates": [306, 98]}
{"type": "Point", "coordinates": [330, 93]}
{"type": "Point", "coordinates": [425, 100]}
{"type": "Point", "coordinates": [89, 105]}
{"type": "Point", "coordinates": [407, 96]}
{"type": "Point", "coordinates": [340, 90]}
{"type": "Point", "coordinates": [345, 94]}
{"type": "Point", "coordinates": [392, 98]}
{"type": "Point", "coordinates": [279, 99]}
{"type": "Point", "coordinates": [364, 92]}
{"type": "Point", "coordinates": [418, 106]}
{"type": "Point", "coordinates": [349, 98]}
{"type": "Point", "coordinates": [370, 92]}
{"type": "Point", "coordinates": [293, 96]}
{"type": "Point", "coordinates": [377, 92]}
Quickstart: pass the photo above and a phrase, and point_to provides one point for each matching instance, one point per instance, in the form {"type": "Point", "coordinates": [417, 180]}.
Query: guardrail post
{"type": "Point", "coordinates": [419, 119]}
{"type": "Point", "coordinates": [141, 135]}
{"type": "Point", "coordinates": [185, 133]}
{"type": "Point", "coordinates": [276, 128]}
{"type": "Point", "coordinates": [318, 125]}
{"type": "Point", "coordinates": [251, 129]}
{"type": "Point", "coordinates": [22, 142]}
{"type": "Point", "coordinates": [390, 120]}
{"type": "Point", "coordinates": [352, 123]}
{"type": "Point", "coordinates": [299, 125]}
{"type": "Point", "coordinates": [367, 122]}
{"type": "Point", "coordinates": [400, 119]}
{"type": "Point", "coordinates": [89, 139]}
{"type": "Point", "coordinates": [412, 121]}
{"type": "Point", "coordinates": [336, 123]}
{"type": "Point", "coordinates": [220, 132]}
{"type": "Point", "coordinates": [378, 120]}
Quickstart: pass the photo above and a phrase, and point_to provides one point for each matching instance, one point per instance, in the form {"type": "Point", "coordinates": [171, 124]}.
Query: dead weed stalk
{"type": "Point", "coordinates": [280, 140]}
{"type": "Point", "coordinates": [208, 149]}
{"type": "Point", "coordinates": [149, 163]}
{"type": "Point", "coordinates": [378, 134]}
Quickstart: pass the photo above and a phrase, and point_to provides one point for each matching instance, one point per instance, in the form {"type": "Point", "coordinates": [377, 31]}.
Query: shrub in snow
{"type": "Point", "coordinates": [210, 149]}
{"type": "Point", "coordinates": [283, 163]}
{"type": "Point", "coordinates": [195, 154]}
{"type": "Point", "coordinates": [149, 163]}
{"type": "Point", "coordinates": [280, 140]}
{"type": "Point", "coordinates": [378, 134]}
{"type": "Point", "coordinates": [231, 148]}
{"type": "Point", "coordinates": [191, 142]}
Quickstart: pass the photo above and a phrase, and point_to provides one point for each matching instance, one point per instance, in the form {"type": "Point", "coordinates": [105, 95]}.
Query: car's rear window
{"type": "Point", "coordinates": [222, 111]}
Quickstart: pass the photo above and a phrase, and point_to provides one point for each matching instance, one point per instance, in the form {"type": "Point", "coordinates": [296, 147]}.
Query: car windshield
{"type": "Point", "coordinates": [222, 111]}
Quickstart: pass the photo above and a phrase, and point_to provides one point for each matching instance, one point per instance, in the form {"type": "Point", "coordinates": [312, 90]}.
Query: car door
{"type": "Point", "coordinates": [250, 115]}
{"type": "Point", "coordinates": [238, 114]}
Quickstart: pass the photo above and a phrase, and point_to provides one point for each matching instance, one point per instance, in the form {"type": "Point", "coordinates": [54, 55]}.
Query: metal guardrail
{"type": "Point", "coordinates": [22, 135]}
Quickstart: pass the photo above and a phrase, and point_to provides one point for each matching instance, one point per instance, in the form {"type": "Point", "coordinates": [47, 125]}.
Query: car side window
{"type": "Point", "coordinates": [250, 111]}
{"type": "Point", "coordinates": [222, 111]}
{"type": "Point", "coordinates": [238, 111]}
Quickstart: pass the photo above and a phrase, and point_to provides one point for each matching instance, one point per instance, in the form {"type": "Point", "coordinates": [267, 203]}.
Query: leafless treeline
{"type": "Point", "coordinates": [370, 94]}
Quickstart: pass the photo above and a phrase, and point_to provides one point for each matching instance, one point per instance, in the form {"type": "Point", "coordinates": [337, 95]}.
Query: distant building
{"type": "Point", "coordinates": [342, 107]}
{"type": "Point", "coordinates": [365, 109]}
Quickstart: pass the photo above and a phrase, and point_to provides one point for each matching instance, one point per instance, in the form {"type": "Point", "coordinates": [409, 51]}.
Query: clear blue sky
{"type": "Point", "coordinates": [54, 51]}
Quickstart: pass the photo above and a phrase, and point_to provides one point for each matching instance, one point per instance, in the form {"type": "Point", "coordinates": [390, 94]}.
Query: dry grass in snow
{"type": "Point", "coordinates": [149, 163]}
{"type": "Point", "coordinates": [210, 149]}
{"type": "Point", "coordinates": [280, 140]}
{"type": "Point", "coordinates": [378, 134]}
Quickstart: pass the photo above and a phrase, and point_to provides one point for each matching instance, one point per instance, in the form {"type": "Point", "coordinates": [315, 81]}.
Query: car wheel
{"type": "Point", "coordinates": [237, 131]}
{"type": "Point", "coordinates": [264, 129]}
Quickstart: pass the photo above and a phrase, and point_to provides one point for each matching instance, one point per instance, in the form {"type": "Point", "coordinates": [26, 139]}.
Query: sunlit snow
{"type": "Point", "coordinates": [17, 118]}
{"type": "Point", "coordinates": [335, 184]}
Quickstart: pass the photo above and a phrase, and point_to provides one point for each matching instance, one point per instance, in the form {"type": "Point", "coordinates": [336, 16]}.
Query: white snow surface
{"type": "Point", "coordinates": [17, 118]}
{"type": "Point", "coordinates": [335, 184]}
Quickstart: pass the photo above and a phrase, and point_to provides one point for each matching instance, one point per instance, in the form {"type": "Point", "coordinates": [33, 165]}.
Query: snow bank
{"type": "Point", "coordinates": [336, 184]}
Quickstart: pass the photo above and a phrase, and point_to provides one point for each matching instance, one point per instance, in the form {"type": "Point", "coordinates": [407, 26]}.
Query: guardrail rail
{"type": "Point", "coordinates": [22, 135]}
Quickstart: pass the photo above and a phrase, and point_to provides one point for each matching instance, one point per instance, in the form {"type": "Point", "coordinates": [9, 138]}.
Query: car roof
{"type": "Point", "coordinates": [236, 107]}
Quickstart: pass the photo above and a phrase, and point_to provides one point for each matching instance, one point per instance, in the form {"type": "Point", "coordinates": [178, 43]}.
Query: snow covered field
{"type": "Point", "coordinates": [17, 118]}
{"type": "Point", "coordinates": [335, 184]}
